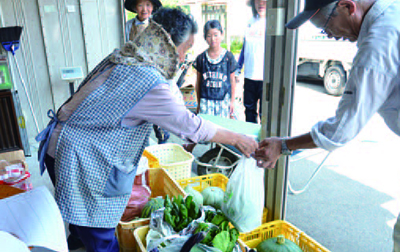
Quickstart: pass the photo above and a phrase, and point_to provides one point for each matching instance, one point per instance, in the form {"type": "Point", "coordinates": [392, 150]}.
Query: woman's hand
{"type": "Point", "coordinates": [245, 144]}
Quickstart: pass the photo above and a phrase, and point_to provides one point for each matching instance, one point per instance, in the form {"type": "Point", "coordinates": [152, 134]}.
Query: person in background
{"type": "Point", "coordinates": [373, 85]}
{"type": "Point", "coordinates": [144, 9]}
{"type": "Point", "coordinates": [92, 146]}
{"type": "Point", "coordinates": [215, 82]}
{"type": "Point", "coordinates": [252, 58]}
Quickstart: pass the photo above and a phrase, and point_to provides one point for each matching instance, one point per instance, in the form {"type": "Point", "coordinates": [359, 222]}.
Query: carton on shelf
{"type": "Point", "coordinates": [14, 157]}
{"type": "Point", "coordinates": [189, 96]}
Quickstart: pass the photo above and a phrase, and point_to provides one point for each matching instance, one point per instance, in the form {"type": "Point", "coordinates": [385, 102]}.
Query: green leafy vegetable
{"type": "Point", "coordinates": [179, 212]}
{"type": "Point", "coordinates": [221, 241]}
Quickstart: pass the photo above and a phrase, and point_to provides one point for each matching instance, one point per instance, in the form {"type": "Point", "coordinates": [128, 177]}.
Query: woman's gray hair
{"type": "Point", "coordinates": [178, 24]}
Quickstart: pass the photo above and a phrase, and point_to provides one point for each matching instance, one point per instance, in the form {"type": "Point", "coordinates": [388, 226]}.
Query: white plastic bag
{"type": "Point", "coordinates": [244, 196]}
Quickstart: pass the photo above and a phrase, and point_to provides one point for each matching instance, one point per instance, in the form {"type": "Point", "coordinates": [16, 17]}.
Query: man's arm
{"type": "Point", "coordinates": [365, 93]}
{"type": "Point", "coordinates": [270, 149]}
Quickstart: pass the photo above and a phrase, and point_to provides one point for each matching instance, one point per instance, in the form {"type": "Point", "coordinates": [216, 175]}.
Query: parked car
{"type": "Point", "coordinates": [323, 58]}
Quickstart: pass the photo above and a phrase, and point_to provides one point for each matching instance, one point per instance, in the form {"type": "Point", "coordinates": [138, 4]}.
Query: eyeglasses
{"type": "Point", "coordinates": [323, 31]}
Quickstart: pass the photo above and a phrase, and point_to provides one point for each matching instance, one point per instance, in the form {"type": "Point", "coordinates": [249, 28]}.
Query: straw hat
{"type": "Point", "coordinates": [130, 5]}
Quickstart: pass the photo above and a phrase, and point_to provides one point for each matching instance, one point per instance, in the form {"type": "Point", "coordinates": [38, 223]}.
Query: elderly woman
{"type": "Point", "coordinates": [143, 10]}
{"type": "Point", "coordinates": [100, 133]}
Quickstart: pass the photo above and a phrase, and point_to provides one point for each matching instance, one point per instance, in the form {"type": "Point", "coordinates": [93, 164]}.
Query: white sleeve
{"type": "Point", "coordinates": [365, 92]}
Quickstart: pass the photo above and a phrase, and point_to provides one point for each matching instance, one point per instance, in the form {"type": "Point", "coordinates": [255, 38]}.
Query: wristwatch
{"type": "Point", "coordinates": [284, 149]}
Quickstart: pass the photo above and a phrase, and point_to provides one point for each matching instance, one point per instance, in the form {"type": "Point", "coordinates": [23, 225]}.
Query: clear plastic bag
{"type": "Point", "coordinates": [14, 174]}
{"type": "Point", "coordinates": [244, 196]}
{"type": "Point", "coordinates": [175, 243]}
{"type": "Point", "coordinates": [162, 233]}
{"type": "Point", "coordinates": [159, 228]}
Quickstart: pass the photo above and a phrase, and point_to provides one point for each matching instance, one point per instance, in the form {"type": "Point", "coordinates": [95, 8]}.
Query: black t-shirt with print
{"type": "Point", "coordinates": [215, 80]}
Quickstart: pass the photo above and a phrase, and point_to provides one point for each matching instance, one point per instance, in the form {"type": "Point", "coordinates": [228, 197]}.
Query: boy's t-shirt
{"type": "Point", "coordinates": [215, 81]}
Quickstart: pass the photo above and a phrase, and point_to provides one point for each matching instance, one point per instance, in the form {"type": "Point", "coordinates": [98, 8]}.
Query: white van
{"type": "Point", "coordinates": [321, 57]}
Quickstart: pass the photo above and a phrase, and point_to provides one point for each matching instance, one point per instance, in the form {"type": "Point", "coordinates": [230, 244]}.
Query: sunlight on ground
{"type": "Point", "coordinates": [371, 159]}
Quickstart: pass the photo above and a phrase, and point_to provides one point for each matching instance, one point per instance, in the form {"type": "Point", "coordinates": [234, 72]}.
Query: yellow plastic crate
{"type": "Point", "coordinates": [216, 179]}
{"type": "Point", "coordinates": [161, 184]}
{"type": "Point", "coordinates": [140, 237]}
{"type": "Point", "coordinates": [152, 160]}
{"type": "Point", "coordinates": [174, 159]}
{"type": "Point", "coordinates": [279, 227]}
{"type": "Point", "coordinates": [201, 182]}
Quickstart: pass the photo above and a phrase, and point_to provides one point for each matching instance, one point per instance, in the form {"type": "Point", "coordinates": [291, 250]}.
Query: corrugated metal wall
{"type": "Point", "coordinates": [56, 34]}
{"type": "Point", "coordinates": [31, 59]}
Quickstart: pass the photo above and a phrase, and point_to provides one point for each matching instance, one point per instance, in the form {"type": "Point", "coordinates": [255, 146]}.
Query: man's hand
{"type": "Point", "coordinates": [268, 152]}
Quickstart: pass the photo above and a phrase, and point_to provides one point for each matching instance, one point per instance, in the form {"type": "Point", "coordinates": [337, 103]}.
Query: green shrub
{"type": "Point", "coordinates": [224, 45]}
{"type": "Point", "coordinates": [131, 15]}
{"type": "Point", "coordinates": [236, 46]}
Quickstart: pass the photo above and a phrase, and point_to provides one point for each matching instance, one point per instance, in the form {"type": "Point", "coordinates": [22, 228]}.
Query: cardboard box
{"type": "Point", "coordinates": [8, 191]}
{"type": "Point", "coordinates": [14, 157]}
{"type": "Point", "coordinates": [189, 96]}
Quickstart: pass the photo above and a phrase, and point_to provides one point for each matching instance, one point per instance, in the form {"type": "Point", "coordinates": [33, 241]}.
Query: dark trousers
{"type": "Point", "coordinates": [49, 162]}
{"type": "Point", "coordinates": [94, 239]}
{"type": "Point", "coordinates": [252, 97]}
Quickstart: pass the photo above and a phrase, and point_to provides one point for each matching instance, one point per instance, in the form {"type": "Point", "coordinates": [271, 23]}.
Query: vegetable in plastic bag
{"type": "Point", "coordinates": [244, 196]}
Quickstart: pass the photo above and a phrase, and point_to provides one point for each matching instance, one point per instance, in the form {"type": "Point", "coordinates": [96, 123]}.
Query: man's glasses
{"type": "Point", "coordinates": [323, 31]}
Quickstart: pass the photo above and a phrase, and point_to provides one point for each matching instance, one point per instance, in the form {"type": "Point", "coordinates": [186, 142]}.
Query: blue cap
{"type": "Point", "coordinates": [311, 8]}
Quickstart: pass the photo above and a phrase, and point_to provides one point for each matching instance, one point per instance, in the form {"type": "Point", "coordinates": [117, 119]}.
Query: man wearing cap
{"type": "Point", "coordinates": [144, 9]}
{"type": "Point", "coordinates": [373, 85]}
